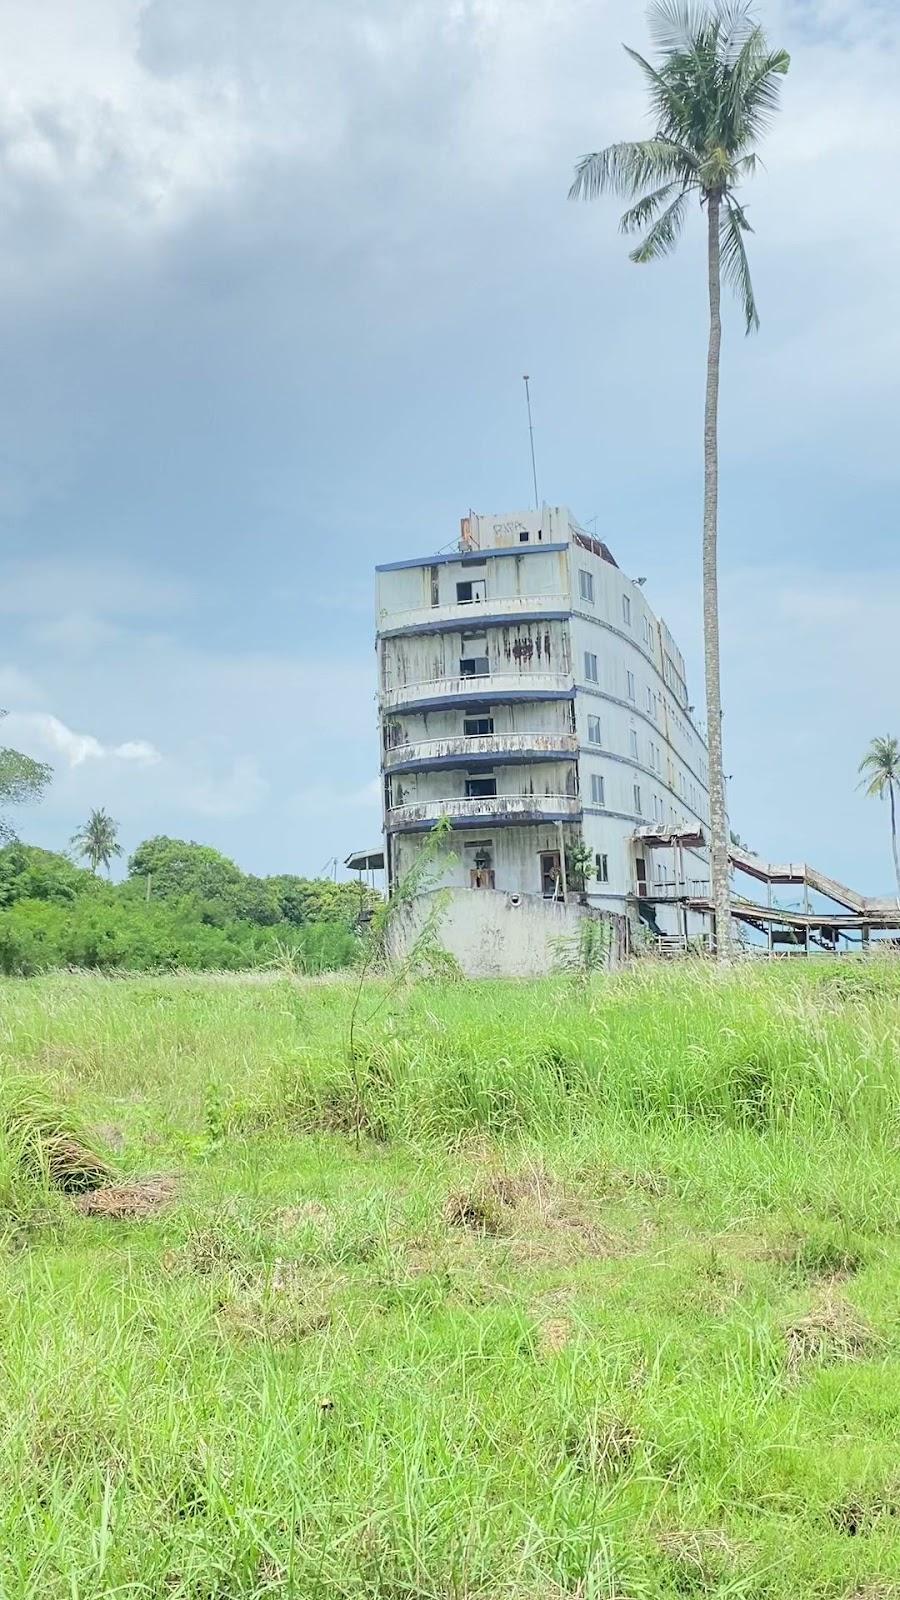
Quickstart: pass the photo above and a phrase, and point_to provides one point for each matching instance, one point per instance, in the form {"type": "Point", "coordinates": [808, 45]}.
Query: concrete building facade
{"type": "Point", "coordinates": [528, 693]}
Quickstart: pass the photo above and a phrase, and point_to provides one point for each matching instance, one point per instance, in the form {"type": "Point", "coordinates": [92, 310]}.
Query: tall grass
{"type": "Point", "coordinates": [602, 1303]}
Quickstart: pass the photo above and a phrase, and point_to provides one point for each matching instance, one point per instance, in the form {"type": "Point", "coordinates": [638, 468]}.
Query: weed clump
{"type": "Point", "coordinates": [46, 1144]}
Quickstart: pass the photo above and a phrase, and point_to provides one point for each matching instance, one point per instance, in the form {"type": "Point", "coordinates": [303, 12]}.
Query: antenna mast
{"type": "Point", "coordinates": [537, 504]}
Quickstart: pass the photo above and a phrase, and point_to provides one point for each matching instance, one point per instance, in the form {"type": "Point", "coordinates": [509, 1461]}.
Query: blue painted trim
{"type": "Point", "coordinates": [481, 758]}
{"type": "Point", "coordinates": [650, 772]}
{"type": "Point", "coordinates": [473, 557]}
{"type": "Point", "coordinates": [523, 820]}
{"type": "Point", "coordinates": [470, 623]}
{"type": "Point", "coordinates": [635, 711]}
{"type": "Point", "coordinates": [646, 655]}
{"type": "Point", "coordinates": [483, 697]}
{"type": "Point", "coordinates": [617, 816]}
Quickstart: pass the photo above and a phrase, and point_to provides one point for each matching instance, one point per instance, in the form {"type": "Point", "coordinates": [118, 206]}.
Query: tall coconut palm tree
{"type": "Point", "coordinates": [712, 93]}
{"type": "Point", "coordinates": [97, 841]}
{"type": "Point", "coordinates": [880, 767]}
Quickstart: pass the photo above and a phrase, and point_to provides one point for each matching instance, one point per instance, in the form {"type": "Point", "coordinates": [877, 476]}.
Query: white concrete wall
{"type": "Point", "coordinates": [518, 649]}
{"type": "Point", "coordinates": [495, 935]}
{"type": "Point", "coordinates": [515, 853]}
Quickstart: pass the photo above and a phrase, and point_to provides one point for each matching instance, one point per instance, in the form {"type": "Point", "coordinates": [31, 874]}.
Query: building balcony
{"type": "Point", "coordinates": [475, 613]}
{"type": "Point", "coordinates": [461, 750]}
{"type": "Point", "coordinates": [489, 810]}
{"type": "Point", "coordinates": [496, 688]}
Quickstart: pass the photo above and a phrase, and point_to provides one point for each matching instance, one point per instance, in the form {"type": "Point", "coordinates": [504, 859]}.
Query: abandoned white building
{"type": "Point", "coordinates": [528, 693]}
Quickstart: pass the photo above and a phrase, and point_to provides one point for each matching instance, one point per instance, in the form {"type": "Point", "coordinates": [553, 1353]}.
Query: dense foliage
{"type": "Point", "coordinates": [182, 905]}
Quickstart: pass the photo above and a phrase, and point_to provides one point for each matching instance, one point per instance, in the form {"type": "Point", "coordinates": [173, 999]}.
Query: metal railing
{"type": "Point", "coordinates": [493, 606]}
{"type": "Point", "coordinates": [491, 685]}
{"type": "Point", "coordinates": [465, 746]}
{"type": "Point", "coordinates": [526, 806]}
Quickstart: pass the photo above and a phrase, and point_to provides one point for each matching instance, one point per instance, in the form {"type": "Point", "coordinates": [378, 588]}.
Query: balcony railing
{"type": "Point", "coordinates": [461, 748]}
{"type": "Point", "coordinates": [514, 807]}
{"type": "Point", "coordinates": [469, 613]}
{"type": "Point", "coordinates": [496, 686]}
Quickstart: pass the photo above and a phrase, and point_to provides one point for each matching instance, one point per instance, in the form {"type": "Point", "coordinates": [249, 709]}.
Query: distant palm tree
{"type": "Point", "coordinates": [880, 767]}
{"type": "Point", "coordinates": [711, 96]}
{"type": "Point", "coordinates": [98, 841]}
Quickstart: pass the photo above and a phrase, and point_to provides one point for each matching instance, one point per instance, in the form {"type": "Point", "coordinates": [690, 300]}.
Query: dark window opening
{"type": "Point", "coordinates": [481, 788]}
{"type": "Point", "coordinates": [474, 667]}
{"type": "Point", "coordinates": [551, 875]}
{"type": "Point", "coordinates": [481, 873]}
{"type": "Point", "coordinates": [475, 727]}
{"type": "Point", "coordinates": [523, 535]}
{"type": "Point", "coordinates": [602, 868]}
{"type": "Point", "coordinates": [435, 595]}
{"type": "Point", "coordinates": [470, 592]}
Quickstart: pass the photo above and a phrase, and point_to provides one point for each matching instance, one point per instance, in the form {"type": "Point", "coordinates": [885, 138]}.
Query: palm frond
{"type": "Point", "coordinates": [665, 233]}
{"type": "Point", "coordinates": [638, 216]}
{"type": "Point", "coordinates": [881, 766]}
{"type": "Point", "coordinates": [625, 169]}
{"type": "Point", "coordinates": [735, 266]}
{"type": "Point", "coordinates": [675, 25]}
{"type": "Point", "coordinates": [670, 109]}
{"type": "Point", "coordinates": [753, 88]}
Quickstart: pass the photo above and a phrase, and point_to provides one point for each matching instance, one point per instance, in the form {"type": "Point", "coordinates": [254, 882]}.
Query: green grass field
{"type": "Point", "coordinates": [548, 1290]}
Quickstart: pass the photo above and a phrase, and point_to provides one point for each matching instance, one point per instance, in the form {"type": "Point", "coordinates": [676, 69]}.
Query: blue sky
{"type": "Point", "coordinates": [271, 271]}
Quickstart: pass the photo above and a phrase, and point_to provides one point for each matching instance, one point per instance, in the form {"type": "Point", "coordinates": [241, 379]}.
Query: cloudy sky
{"type": "Point", "coordinates": [271, 271]}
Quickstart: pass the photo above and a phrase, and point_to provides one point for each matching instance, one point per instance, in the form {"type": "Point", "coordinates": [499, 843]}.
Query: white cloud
{"type": "Point", "coordinates": [50, 734]}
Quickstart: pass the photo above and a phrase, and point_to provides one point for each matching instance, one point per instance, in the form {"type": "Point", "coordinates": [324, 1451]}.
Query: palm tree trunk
{"type": "Point", "coordinates": [894, 836]}
{"type": "Point", "coordinates": [718, 825]}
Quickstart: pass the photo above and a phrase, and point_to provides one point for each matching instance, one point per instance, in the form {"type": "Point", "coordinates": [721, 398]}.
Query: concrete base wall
{"type": "Point", "coordinates": [497, 935]}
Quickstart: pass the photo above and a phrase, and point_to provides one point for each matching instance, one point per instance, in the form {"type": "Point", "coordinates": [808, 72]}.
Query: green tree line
{"type": "Point", "coordinates": [181, 905]}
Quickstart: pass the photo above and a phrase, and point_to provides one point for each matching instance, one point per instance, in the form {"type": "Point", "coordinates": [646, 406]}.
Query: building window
{"type": "Point", "coordinates": [523, 535]}
{"type": "Point", "coordinates": [470, 592]}
{"type": "Point", "coordinates": [477, 727]}
{"type": "Point", "coordinates": [481, 870]}
{"type": "Point", "coordinates": [480, 788]}
{"type": "Point", "coordinates": [602, 868]}
{"type": "Point", "coordinates": [590, 667]}
{"type": "Point", "coordinates": [474, 667]}
{"type": "Point", "coordinates": [629, 681]}
{"type": "Point", "coordinates": [633, 744]}
{"type": "Point", "coordinates": [594, 731]}
{"type": "Point", "coordinates": [650, 706]}
{"type": "Point", "coordinates": [598, 789]}
{"type": "Point", "coordinates": [586, 585]}
{"type": "Point", "coordinates": [637, 799]}
{"type": "Point", "coordinates": [435, 590]}
{"type": "Point", "coordinates": [626, 610]}
{"type": "Point", "coordinates": [645, 629]}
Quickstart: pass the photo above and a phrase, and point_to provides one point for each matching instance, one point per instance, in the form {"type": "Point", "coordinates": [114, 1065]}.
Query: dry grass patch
{"type": "Point", "coordinates": [129, 1202]}
{"type": "Point", "coordinates": [700, 1558]}
{"type": "Point", "coordinates": [832, 1331]}
{"type": "Point", "coordinates": [542, 1218]}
